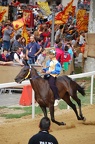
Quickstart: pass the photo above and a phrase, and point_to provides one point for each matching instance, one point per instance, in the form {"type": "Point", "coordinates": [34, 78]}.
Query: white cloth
{"type": "Point", "coordinates": [81, 40]}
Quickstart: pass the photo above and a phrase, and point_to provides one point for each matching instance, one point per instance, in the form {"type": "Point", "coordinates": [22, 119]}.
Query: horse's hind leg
{"type": "Point", "coordinates": [79, 105]}
{"type": "Point", "coordinates": [51, 108]}
{"type": "Point", "coordinates": [66, 98]}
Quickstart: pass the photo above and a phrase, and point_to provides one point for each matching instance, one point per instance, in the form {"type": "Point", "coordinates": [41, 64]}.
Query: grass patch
{"type": "Point", "coordinates": [26, 111]}
{"type": "Point", "coordinates": [62, 105]}
{"type": "Point", "coordinates": [78, 70]}
{"type": "Point", "coordinates": [3, 107]}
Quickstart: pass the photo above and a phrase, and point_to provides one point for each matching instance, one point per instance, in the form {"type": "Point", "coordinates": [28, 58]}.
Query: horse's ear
{"type": "Point", "coordinates": [25, 62]}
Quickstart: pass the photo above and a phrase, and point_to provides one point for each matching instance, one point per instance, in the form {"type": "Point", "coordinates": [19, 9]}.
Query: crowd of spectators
{"type": "Point", "coordinates": [84, 4]}
{"type": "Point", "coordinates": [66, 38]}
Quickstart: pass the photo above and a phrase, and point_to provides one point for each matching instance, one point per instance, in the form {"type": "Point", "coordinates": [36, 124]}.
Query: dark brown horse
{"type": "Point", "coordinates": [44, 95]}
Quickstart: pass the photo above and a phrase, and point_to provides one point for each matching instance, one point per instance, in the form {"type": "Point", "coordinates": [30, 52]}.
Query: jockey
{"type": "Point", "coordinates": [52, 70]}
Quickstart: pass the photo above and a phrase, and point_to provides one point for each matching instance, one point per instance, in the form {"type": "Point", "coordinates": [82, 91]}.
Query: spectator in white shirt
{"type": "Point", "coordinates": [82, 38]}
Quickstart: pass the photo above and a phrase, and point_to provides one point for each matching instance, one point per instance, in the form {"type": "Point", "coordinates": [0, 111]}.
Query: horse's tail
{"type": "Point", "coordinates": [81, 89]}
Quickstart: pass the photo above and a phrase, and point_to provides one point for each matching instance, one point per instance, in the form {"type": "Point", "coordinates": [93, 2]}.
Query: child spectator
{"type": "Point", "coordinates": [66, 59]}
{"type": "Point", "coordinates": [70, 50]}
{"type": "Point", "coordinates": [41, 57]}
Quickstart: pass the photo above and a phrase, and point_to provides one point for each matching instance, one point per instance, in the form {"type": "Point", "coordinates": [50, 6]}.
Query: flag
{"type": "Point", "coordinates": [82, 20]}
{"type": "Point", "coordinates": [63, 16]}
{"type": "Point", "coordinates": [17, 24]}
{"type": "Point", "coordinates": [28, 18]}
{"type": "Point", "coordinates": [44, 7]}
{"type": "Point", "coordinates": [2, 15]}
{"type": "Point", "coordinates": [69, 7]}
{"type": "Point", "coordinates": [25, 34]}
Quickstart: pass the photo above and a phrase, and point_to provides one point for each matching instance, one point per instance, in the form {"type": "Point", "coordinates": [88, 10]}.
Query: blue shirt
{"type": "Point", "coordinates": [53, 66]}
{"type": "Point", "coordinates": [33, 48]}
{"type": "Point", "coordinates": [70, 51]}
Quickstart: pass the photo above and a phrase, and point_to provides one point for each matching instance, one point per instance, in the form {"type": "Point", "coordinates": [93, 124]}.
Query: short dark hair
{"type": "Point", "coordinates": [59, 45]}
{"type": "Point", "coordinates": [4, 49]}
{"type": "Point", "coordinates": [69, 44]}
{"type": "Point", "coordinates": [61, 27]}
{"type": "Point", "coordinates": [45, 123]}
{"type": "Point", "coordinates": [66, 48]}
{"type": "Point", "coordinates": [16, 48]}
{"type": "Point", "coordinates": [18, 36]}
{"type": "Point", "coordinates": [57, 41]}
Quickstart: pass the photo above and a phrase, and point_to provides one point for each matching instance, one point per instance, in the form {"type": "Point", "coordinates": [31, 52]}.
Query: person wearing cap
{"type": "Point", "coordinates": [52, 70]}
{"type": "Point", "coordinates": [43, 136]}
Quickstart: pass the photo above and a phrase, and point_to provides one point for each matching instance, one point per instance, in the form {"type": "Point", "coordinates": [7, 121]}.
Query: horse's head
{"type": "Point", "coordinates": [24, 73]}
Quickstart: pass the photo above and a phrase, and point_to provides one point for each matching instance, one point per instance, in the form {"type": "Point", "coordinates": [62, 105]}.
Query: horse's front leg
{"type": "Point", "coordinates": [44, 110]}
{"type": "Point", "coordinates": [51, 109]}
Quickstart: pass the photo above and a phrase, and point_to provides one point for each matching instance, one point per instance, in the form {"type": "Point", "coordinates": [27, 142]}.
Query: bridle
{"type": "Point", "coordinates": [29, 73]}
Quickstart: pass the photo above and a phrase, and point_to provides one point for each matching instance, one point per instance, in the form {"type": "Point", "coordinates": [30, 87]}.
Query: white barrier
{"type": "Point", "coordinates": [14, 84]}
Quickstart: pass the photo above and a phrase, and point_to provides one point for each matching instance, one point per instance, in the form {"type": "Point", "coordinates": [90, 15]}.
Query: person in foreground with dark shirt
{"type": "Point", "coordinates": [43, 136]}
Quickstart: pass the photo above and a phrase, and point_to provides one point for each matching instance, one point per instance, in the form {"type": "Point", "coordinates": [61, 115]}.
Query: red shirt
{"type": "Point", "coordinates": [45, 34]}
{"type": "Point", "coordinates": [16, 4]}
{"type": "Point", "coordinates": [66, 57]}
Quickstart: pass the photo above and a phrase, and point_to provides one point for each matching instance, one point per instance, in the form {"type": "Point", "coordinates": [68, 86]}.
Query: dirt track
{"type": "Point", "coordinates": [18, 131]}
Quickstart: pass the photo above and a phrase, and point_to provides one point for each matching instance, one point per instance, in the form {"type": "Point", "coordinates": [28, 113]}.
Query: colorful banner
{"type": "Point", "coordinates": [82, 20]}
{"type": "Point", "coordinates": [17, 24]}
{"type": "Point", "coordinates": [63, 16]}
{"type": "Point", "coordinates": [44, 7]}
{"type": "Point", "coordinates": [25, 34]}
{"type": "Point", "coordinates": [3, 13]}
{"type": "Point", "coordinates": [28, 18]}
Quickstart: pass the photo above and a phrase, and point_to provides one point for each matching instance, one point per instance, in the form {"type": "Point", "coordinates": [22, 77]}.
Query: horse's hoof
{"type": "Point", "coordinates": [84, 119]}
{"type": "Point", "coordinates": [62, 123]}
{"type": "Point", "coordinates": [79, 118]}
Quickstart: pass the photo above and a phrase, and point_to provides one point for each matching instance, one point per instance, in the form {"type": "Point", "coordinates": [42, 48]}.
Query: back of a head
{"type": "Point", "coordinates": [61, 27]}
{"type": "Point", "coordinates": [66, 48]}
{"type": "Point", "coordinates": [59, 45]}
{"type": "Point", "coordinates": [16, 48]}
{"type": "Point", "coordinates": [45, 123]}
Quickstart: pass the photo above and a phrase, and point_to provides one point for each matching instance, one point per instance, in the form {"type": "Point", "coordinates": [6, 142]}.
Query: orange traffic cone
{"type": "Point", "coordinates": [26, 96]}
